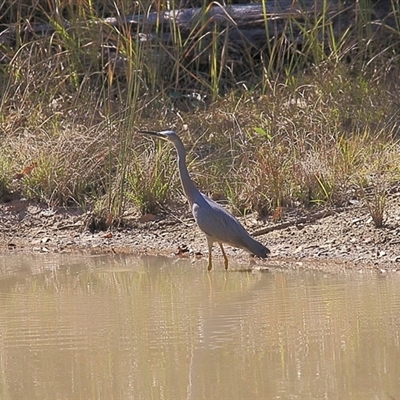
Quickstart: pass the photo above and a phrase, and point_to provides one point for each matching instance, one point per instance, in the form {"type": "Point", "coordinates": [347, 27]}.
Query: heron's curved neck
{"type": "Point", "coordinates": [188, 186]}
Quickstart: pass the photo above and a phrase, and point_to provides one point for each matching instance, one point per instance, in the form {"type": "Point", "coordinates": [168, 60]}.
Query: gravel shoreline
{"type": "Point", "coordinates": [341, 239]}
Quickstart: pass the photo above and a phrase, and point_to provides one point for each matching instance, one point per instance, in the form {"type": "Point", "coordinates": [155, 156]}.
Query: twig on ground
{"type": "Point", "coordinates": [306, 219]}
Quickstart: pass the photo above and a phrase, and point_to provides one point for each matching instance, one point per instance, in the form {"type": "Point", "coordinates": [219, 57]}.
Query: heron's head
{"type": "Point", "coordinates": [166, 135]}
{"type": "Point", "coordinates": [264, 252]}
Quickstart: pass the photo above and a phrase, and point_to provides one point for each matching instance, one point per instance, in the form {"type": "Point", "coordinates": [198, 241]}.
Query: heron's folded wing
{"type": "Point", "coordinates": [218, 223]}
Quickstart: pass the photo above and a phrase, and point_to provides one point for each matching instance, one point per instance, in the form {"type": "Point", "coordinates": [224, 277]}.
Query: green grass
{"type": "Point", "coordinates": [289, 127]}
{"type": "Point", "coordinates": [150, 178]}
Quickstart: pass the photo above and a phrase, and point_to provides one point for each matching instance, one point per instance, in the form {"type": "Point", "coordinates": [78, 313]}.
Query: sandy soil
{"type": "Point", "coordinates": [341, 239]}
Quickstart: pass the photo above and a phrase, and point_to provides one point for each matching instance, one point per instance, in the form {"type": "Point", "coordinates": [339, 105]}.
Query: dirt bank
{"type": "Point", "coordinates": [342, 238]}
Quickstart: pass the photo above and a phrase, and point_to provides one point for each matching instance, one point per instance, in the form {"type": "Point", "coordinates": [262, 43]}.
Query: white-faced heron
{"type": "Point", "coordinates": [217, 223]}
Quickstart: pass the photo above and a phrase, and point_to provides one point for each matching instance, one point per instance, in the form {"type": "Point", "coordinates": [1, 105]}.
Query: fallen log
{"type": "Point", "coordinates": [246, 25]}
{"type": "Point", "coordinates": [250, 24]}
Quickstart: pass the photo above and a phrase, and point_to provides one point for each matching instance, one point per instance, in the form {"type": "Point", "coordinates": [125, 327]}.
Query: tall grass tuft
{"type": "Point", "coordinates": [150, 179]}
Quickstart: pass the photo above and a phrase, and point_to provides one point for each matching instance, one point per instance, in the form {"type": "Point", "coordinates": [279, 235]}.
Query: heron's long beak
{"type": "Point", "coordinates": [153, 133]}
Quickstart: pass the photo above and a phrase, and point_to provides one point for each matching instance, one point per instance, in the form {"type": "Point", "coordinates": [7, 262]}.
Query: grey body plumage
{"type": "Point", "coordinates": [214, 220]}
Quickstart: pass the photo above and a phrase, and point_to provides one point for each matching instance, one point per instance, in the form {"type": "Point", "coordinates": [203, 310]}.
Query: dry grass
{"type": "Point", "coordinates": [315, 128]}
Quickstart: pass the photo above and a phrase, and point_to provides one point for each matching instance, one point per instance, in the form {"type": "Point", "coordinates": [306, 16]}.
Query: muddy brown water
{"type": "Point", "coordinates": [76, 327]}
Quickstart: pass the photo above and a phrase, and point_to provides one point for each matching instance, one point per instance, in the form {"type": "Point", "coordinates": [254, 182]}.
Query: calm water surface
{"type": "Point", "coordinates": [154, 328]}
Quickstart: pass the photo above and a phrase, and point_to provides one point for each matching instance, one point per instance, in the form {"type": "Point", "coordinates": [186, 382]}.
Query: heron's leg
{"type": "Point", "coordinates": [225, 257]}
{"type": "Point", "coordinates": [210, 246]}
